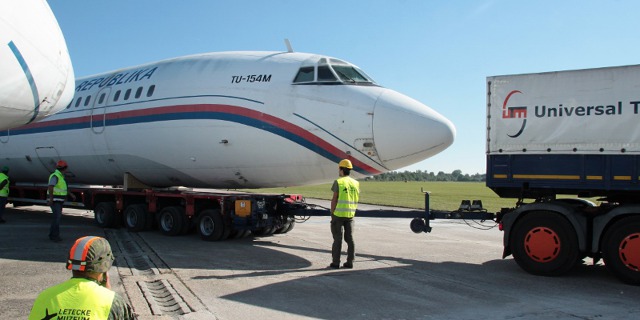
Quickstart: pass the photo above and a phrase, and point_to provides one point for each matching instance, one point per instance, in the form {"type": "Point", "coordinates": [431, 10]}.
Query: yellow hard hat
{"type": "Point", "coordinates": [345, 163]}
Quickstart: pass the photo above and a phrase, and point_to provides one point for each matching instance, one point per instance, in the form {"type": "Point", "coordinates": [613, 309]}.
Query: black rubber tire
{"type": "Point", "coordinates": [243, 234]}
{"type": "Point", "coordinates": [211, 226]}
{"type": "Point", "coordinates": [291, 226]}
{"type": "Point", "coordinates": [106, 215]}
{"type": "Point", "coordinates": [264, 232]}
{"type": "Point", "coordinates": [136, 217]}
{"type": "Point", "coordinates": [285, 226]}
{"type": "Point", "coordinates": [621, 249]}
{"type": "Point", "coordinates": [172, 221]}
{"type": "Point", "coordinates": [544, 243]}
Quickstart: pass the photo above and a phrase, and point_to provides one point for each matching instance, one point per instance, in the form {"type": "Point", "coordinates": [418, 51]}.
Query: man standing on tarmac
{"type": "Point", "coordinates": [56, 195]}
{"type": "Point", "coordinates": [4, 190]}
{"type": "Point", "coordinates": [88, 294]}
{"type": "Point", "coordinates": [346, 192]}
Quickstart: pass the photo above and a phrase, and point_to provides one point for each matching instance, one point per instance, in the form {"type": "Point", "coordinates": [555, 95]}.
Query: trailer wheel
{"type": "Point", "coordinates": [136, 217]}
{"type": "Point", "coordinates": [212, 227]}
{"type": "Point", "coordinates": [242, 234]}
{"type": "Point", "coordinates": [172, 221]}
{"type": "Point", "coordinates": [264, 231]}
{"type": "Point", "coordinates": [621, 250]}
{"type": "Point", "coordinates": [544, 243]}
{"type": "Point", "coordinates": [291, 226]}
{"type": "Point", "coordinates": [105, 214]}
{"type": "Point", "coordinates": [286, 226]}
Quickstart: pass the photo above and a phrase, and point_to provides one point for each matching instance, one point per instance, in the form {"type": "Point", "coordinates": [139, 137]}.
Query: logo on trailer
{"type": "Point", "coordinates": [518, 112]}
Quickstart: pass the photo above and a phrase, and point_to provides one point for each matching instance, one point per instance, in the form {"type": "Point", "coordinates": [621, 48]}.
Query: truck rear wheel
{"type": "Point", "coordinates": [544, 243]}
{"type": "Point", "coordinates": [173, 221]}
{"type": "Point", "coordinates": [211, 226]}
{"type": "Point", "coordinates": [136, 217]}
{"type": "Point", "coordinates": [105, 214]}
{"type": "Point", "coordinates": [621, 250]}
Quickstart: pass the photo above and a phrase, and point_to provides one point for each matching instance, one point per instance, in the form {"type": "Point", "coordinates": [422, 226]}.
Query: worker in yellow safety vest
{"type": "Point", "coordinates": [346, 192]}
{"type": "Point", "coordinates": [88, 294]}
{"type": "Point", "coordinates": [56, 195]}
{"type": "Point", "coordinates": [4, 191]}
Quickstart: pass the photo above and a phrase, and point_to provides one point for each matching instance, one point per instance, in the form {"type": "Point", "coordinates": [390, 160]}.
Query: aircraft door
{"type": "Point", "coordinates": [99, 110]}
{"type": "Point", "coordinates": [48, 157]}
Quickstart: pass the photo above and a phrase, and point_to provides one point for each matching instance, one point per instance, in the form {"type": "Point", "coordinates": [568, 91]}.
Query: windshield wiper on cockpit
{"type": "Point", "coordinates": [343, 76]}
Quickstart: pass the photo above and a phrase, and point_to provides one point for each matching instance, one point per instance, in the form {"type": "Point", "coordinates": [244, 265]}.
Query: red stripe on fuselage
{"type": "Point", "coordinates": [229, 109]}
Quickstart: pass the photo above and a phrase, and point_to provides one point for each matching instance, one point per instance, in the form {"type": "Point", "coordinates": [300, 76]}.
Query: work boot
{"type": "Point", "coordinates": [348, 265]}
{"type": "Point", "coordinates": [334, 265]}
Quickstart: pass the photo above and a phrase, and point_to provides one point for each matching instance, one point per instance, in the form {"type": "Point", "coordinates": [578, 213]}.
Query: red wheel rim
{"type": "Point", "coordinates": [630, 251]}
{"type": "Point", "coordinates": [542, 244]}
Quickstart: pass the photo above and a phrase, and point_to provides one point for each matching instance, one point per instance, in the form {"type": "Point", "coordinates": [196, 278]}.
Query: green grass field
{"type": "Point", "coordinates": [443, 195]}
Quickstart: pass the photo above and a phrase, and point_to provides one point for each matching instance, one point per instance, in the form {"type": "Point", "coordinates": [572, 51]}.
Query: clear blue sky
{"type": "Point", "coordinates": [438, 52]}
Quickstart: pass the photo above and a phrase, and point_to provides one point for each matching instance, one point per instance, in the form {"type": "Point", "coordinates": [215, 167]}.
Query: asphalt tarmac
{"type": "Point", "coordinates": [454, 272]}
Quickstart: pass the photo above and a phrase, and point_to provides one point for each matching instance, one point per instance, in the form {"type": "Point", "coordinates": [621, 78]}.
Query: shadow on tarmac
{"type": "Point", "coordinates": [26, 230]}
{"type": "Point", "coordinates": [25, 235]}
{"type": "Point", "coordinates": [379, 287]}
{"type": "Point", "coordinates": [386, 287]}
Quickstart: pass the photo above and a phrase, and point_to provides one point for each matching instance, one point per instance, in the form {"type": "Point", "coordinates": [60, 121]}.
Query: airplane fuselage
{"type": "Point", "coordinates": [228, 120]}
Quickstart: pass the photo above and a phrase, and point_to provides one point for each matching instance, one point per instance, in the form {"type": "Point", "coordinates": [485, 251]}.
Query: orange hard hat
{"type": "Point", "coordinates": [61, 164]}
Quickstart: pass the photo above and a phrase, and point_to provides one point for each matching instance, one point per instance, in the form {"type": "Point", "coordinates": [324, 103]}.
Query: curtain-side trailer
{"type": "Point", "coordinates": [573, 133]}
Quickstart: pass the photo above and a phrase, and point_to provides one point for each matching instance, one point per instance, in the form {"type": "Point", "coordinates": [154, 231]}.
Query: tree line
{"type": "Point", "coordinates": [420, 175]}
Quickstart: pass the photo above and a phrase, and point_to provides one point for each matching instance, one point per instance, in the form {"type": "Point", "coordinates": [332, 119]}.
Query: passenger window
{"type": "Point", "coordinates": [86, 102]}
{"type": "Point", "coordinates": [101, 100]}
{"type": "Point", "coordinates": [78, 102]}
{"type": "Point", "coordinates": [151, 90]}
{"type": "Point", "coordinates": [138, 92]}
{"type": "Point", "coordinates": [116, 96]}
{"type": "Point", "coordinates": [325, 74]}
{"type": "Point", "coordinates": [127, 94]}
{"type": "Point", "coordinates": [305, 74]}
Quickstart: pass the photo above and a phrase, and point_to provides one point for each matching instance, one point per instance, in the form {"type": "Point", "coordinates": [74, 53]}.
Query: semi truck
{"type": "Point", "coordinates": [566, 145]}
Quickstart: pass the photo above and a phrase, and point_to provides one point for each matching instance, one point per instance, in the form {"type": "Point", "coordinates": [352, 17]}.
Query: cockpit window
{"type": "Point", "coordinates": [325, 74]}
{"type": "Point", "coordinates": [332, 71]}
{"type": "Point", "coordinates": [347, 72]}
{"type": "Point", "coordinates": [305, 74]}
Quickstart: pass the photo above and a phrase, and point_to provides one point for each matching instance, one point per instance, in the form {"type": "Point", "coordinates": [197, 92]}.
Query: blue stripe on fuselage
{"type": "Point", "coordinates": [32, 83]}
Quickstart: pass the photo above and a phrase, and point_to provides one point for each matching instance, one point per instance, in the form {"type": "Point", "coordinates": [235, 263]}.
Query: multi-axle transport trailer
{"type": "Point", "coordinates": [215, 215]}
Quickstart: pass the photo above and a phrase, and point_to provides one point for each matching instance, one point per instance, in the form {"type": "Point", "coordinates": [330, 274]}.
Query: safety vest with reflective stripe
{"type": "Point", "coordinates": [76, 298]}
{"type": "Point", "coordinates": [4, 192]}
{"type": "Point", "coordinates": [60, 189]}
{"type": "Point", "coordinates": [348, 195]}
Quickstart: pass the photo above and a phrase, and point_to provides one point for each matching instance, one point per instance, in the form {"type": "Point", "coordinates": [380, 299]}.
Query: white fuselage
{"type": "Point", "coordinates": [36, 77]}
{"type": "Point", "coordinates": [226, 120]}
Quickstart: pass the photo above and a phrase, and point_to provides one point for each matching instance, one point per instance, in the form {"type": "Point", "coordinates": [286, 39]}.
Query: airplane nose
{"type": "Point", "coordinates": [406, 131]}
